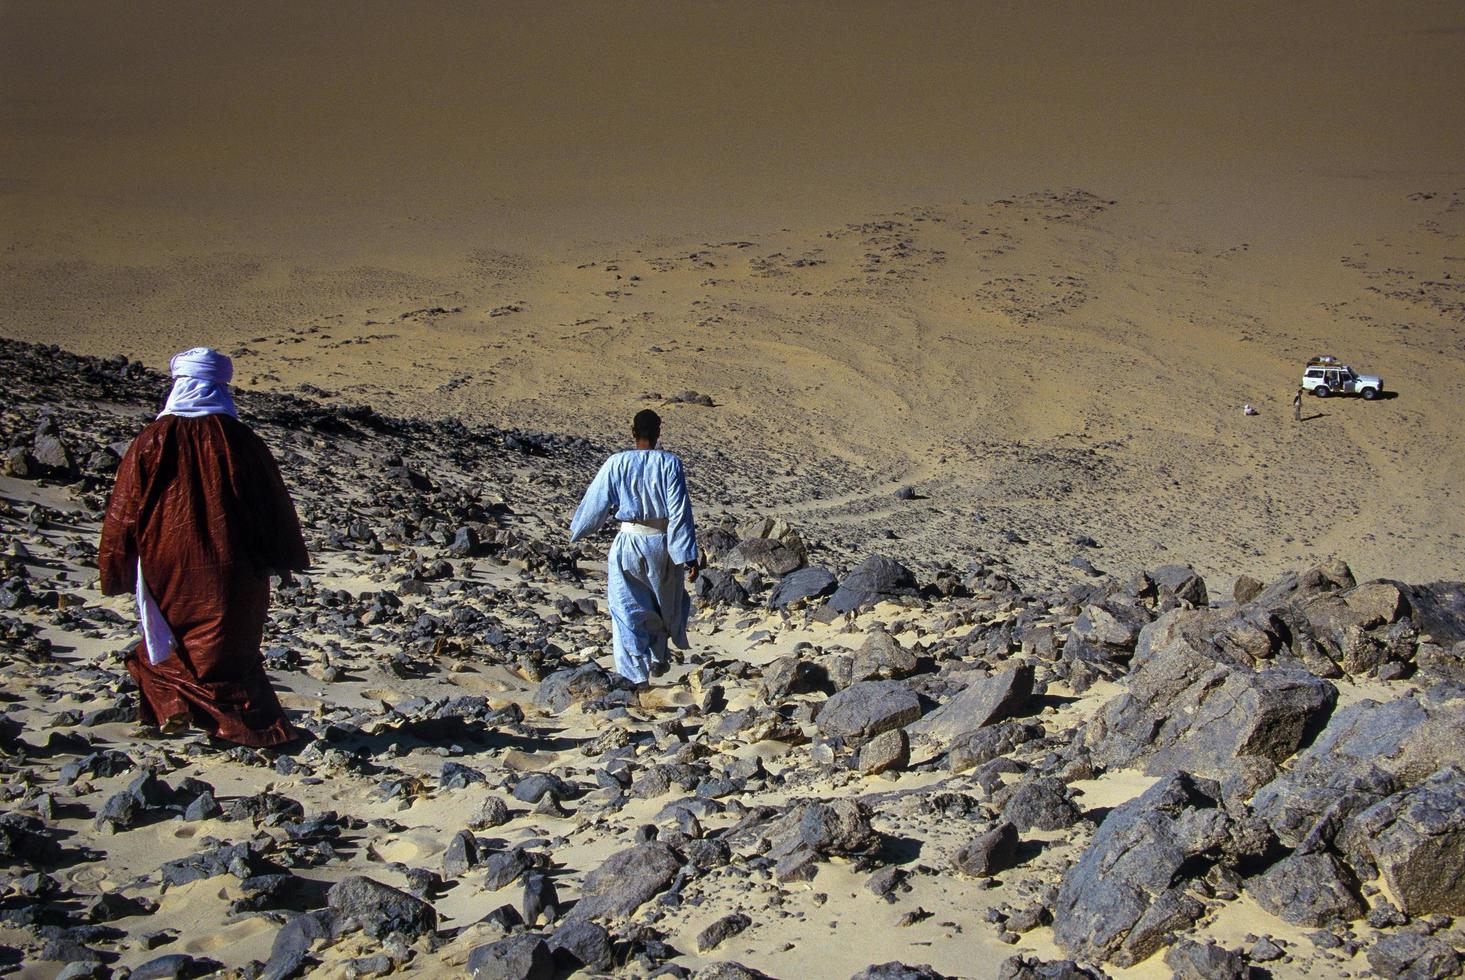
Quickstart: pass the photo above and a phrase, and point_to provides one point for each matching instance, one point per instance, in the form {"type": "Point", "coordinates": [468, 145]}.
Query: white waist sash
{"type": "Point", "coordinates": [631, 527]}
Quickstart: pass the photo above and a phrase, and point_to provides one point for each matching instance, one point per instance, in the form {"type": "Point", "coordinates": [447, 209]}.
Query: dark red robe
{"type": "Point", "coordinates": [201, 501]}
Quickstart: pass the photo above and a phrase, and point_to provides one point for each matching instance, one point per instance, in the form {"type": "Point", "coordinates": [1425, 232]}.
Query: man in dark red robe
{"type": "Point", "coordinates": [198, 521]}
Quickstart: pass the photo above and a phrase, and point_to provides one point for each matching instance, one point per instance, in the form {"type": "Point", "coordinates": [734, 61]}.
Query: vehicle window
{"type": "Point", "coordinates": [1314, 374]}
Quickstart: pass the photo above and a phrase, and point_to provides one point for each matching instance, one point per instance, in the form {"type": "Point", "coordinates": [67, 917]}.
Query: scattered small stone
{"type": "Point", "coordinates": [722, 930]}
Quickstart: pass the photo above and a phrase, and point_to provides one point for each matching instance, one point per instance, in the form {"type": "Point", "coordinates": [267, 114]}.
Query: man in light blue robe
{"type": "Point", "coordinates": [645, 489]}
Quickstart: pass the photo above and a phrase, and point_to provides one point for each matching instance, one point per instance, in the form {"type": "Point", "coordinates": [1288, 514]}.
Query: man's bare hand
{"type": "Point", "coordinates": [692, 572]}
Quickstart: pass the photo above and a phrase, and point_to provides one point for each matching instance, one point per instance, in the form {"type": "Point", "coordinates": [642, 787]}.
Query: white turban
{"type": "Point", "coordinates": [201, 379]}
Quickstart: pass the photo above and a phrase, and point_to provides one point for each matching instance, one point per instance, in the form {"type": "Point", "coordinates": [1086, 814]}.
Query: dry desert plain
{"type": "Point", "coordinates": [979, 289]}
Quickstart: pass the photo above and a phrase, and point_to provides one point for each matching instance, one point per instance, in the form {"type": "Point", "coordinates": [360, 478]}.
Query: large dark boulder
{"type": "Point", "coordinates": [380, 910]}
{"type": "Point", "coordinates": [788, 676]}
{"type": "Point", "coordinates": [523, 957]}
{"type": "Point", "coordinates": [836, 827]}
{"type": "Point", "coordinates": [239, 859]}
{"type": "Point", "coordinates": [175, 966]}
{"type": "Point", "coordinates": [1416, 840]}
{"type": "Point", "coordinates": [1193, 705]}
{"type": "Point", "coordinates": [986, 744]}
{"type": "Point", "coordinates": [866, 709]}
{"type": "Point", "coordinates": [808, 583]}
{"type": "Point", "coordinates": [1414, 956]}
{"type": "Point", "coordinates": [292, 944]}
{"type": "Point", "coordinates": [886, 751]}
{"type": "Point", "coordinates": [1368, 751]}
{"type": "Point", "coordinates": [1041, 803]}
{"type": "Point", "coordinates": [1296, 587]}
{"type": "Point", "coordinates": [1033, 968]}
{"type": "Point", "coordinates": [626, 880]}
{"type": "Point", "coordinates": [1336, 627]}
{"type": "Point", "coordinates": [1352, 627]}
{"type": "Point", "coordinates": [26, 841]}
{"type": "Point", "coordinates": [729, 970]}
{"type": "Point", "coordinates": [1313, 808]}
{"type": "Point", "coordinates": [50, 451]}
{"type": "Point", "coordinates": [582, 944]}
{"type": "Point", "coordinates": [986, 700]}
{"type": "Point", "coordinates": [1190, 960]}
{"type": "Point", "coordinates": [1101, 641]}
{"type": "Point", "coordinates": [1438, 611]}
{"type": "Point", "coordinates": [462, 854]}
{"type": "Point", "coordinates": [879, 658]}
{"type": "Point", "coordinates": [766, 555]}
{"type": "Point", "coordinates": [807, 833]}
{"type": "Point", "coordinates": [1181, 581]}
{"type": "Point", "coordinates": [1127, 891]}
{"type": "Point", "coordinates": [719, 588]}
{"type": "Point", "coordinates": [1308, 890]}
{"type": "Point", "coordinates": [875, 579]}
{"type": "Point", "coordinates": [988, 853]}
{"type": "Point", "coordinates": [1441, 664]}
{"type": "Point", "coordinates": [896, 970]}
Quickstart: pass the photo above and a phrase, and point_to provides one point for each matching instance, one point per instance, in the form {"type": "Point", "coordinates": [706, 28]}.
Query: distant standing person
{"type": "Point", "coordinates": [646, 490]}
{"type": "Point", "coordinates": [1297, 406]}
{"type": "Point", "coordinates": [199, 519]}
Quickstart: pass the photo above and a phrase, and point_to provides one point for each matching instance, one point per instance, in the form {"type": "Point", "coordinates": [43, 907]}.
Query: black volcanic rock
{"type": "Point", "coordinates": [380, 910]}
{"type": "Point", "coordinates": [1182, 582]}
{"type": "Point", "coordinates": [626, 880]}
{"type": "Point", "coordinates": [812, 582]}
{"type": "Point", "coordinates": [1127, 891]}
{"type": "Point", "coordinates": [719, 588]}
{"type": "Point", "coordinates": [522, 957]}
{"type": "Point", "coordinates": [1308, 890]}
{"type": "Point", "coordinates": [1041, 803]}
{"type": "Point", "coordinates": [986, 700]}
{"type": "Point", "coordinates": [867, 709]}
{"type": "Point", "coordinates": [876, 579]}
{"type": "Point", "coordinates": [990, 853]}
{"type": "Point", "coordinates": [1195, 705]}
{"type": "Point", "coordinates": [1416, 840]}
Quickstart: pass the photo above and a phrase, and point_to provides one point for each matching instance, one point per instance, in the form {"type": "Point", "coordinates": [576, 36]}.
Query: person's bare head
{"type": "Point", "coordinates": [646, 429]}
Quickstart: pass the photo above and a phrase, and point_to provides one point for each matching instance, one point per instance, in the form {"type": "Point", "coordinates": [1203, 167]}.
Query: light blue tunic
{"type": "Point", "coordinates": [649, 604]}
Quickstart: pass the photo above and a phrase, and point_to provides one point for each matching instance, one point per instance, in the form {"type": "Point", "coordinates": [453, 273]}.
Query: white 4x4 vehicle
{"type": "Point", "coordinates": [1326, 376]}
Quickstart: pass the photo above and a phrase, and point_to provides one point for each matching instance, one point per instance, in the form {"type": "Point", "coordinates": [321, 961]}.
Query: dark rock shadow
{"type": "Point", "coordinates": [414, 736]}
{"type": "Point", "coordinates": [65, 856]}
{"type": "Point", "coordinates": [1315, 727]}
{"type": "Point", "coordinates": [1038, 702]}
{"type": "Point", "coordinates": [1029, 849]}
{"type": "Point", "coordinates": [299, 894]}
{"type": "Point", "coordinates": [61, 743]}
{"type": "Point", "coordinates": [895, 849]}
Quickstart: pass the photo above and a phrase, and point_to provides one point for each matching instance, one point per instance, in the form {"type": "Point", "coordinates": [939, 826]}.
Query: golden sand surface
{"type": "Point", "coordinates": [1029, 257]}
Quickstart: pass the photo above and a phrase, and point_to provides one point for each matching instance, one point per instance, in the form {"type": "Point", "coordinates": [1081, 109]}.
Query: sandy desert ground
{"type": "Point", "coordinates": [1025, 261]}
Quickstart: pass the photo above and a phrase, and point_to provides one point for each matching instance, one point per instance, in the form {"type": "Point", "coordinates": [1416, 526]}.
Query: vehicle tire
{"type": "Point", "coordinates": [1322, 391]}
{"type": "Point", "coordinates": [1369, 394]}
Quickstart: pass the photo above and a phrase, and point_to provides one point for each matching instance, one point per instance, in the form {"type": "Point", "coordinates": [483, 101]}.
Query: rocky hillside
{"type": "Point", "coordinates": [863, 767]}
